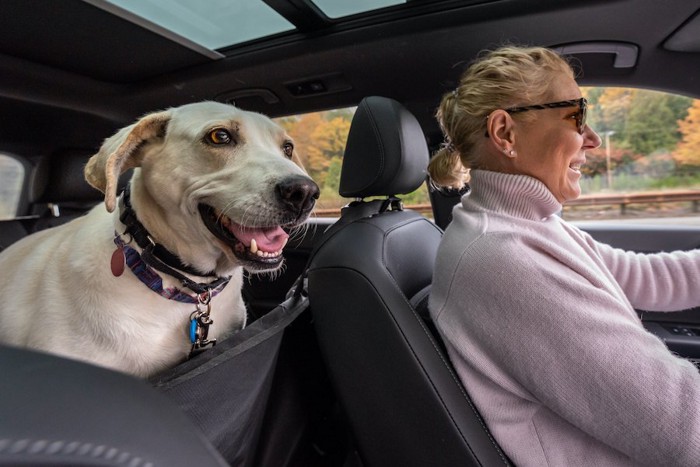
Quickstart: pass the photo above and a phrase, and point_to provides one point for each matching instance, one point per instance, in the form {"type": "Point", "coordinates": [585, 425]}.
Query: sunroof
{"type": "Point", "coordinates": [340, 8]}
{"type": "Point", "coordinates": [212, 24]}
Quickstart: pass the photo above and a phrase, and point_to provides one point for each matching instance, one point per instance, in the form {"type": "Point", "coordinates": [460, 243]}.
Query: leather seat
{"type": "Point", "coordinates": [60, 412]}
{"type": "Point", "coordinates": [368, 284]}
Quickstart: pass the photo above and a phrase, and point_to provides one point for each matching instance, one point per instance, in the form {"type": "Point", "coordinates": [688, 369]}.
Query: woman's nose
{"type": "Point", "coordinates": [591, 139]}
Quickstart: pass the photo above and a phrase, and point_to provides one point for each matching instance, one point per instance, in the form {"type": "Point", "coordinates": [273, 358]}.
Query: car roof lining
{"type": "Point", "coordinates": [687, 37]}
{"type": "Point", "coordinates": [129, 53]}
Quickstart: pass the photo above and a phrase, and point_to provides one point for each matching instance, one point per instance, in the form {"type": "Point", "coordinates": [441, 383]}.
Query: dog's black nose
{"type": "Point", "coordinates": [298, 193]}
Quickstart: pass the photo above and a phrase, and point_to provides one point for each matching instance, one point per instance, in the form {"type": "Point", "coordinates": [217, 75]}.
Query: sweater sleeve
{"type": "Point", "coordinates": [654, 282]}
{"type": "Point", "coordinates": [574, 347]}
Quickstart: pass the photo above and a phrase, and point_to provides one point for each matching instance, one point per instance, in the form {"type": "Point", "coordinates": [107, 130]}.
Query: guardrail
{"type": "Point", "coordinates": [648, 197]}
{"type": "Point", "coordinates": [603, 199]}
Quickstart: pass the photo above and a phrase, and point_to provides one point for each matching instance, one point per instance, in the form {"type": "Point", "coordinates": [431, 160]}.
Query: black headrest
{"type": "Point", "coordinates": [64, 177]}
{"type": "Point", "coordinates": [63, 181]}
{"type": "Point", "coordinates": [386, 153]}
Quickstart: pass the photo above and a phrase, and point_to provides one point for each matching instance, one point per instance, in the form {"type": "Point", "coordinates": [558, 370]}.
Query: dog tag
{"type": "Point", "coordinates": [118, 260]}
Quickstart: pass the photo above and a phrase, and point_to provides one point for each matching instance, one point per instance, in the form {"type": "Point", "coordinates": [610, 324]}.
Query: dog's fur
{"type": "Point", "coordinates": [58, 293]}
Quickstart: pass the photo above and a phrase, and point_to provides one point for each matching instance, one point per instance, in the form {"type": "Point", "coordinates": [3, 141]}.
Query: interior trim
{"type": "Point", "coordinates": [148, 25]}
{"type": "Point", "coordinates": [231, 97]}
{"type": "Point", "coordinates": [625, 53]}
{"type": "Point", "coordinates": [687, 37]}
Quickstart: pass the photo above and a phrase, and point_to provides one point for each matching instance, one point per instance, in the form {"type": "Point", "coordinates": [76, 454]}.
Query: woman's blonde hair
{"type": "Point", "coordinates": [506, 77]}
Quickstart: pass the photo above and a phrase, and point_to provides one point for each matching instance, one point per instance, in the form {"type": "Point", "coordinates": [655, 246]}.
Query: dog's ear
{"type": "Point", "coordinates": [121, 152]}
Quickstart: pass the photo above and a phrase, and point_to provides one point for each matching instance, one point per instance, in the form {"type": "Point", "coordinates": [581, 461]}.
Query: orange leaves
{"type": "Point", "coordinates": [688, 150]}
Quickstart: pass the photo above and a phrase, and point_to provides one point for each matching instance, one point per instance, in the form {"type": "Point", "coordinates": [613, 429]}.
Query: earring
{"type": "Point", "coordinates": [509, 152]}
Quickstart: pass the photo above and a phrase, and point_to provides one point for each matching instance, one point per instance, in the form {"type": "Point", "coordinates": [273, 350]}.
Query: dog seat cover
{"type": "Point", "coordinates": [226, 388]}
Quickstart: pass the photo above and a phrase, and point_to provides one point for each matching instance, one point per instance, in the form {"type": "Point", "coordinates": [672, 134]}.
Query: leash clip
{"type": "Point", "coordinates": [200, 320]}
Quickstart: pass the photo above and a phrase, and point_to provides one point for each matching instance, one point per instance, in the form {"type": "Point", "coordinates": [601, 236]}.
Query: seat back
{"type": "Point", "coordinates": [61, 191]}
{"type": "Point", "coordinates": [60, 412]}
{"type": "Point", "coordinates": [11, 231]}
{"type": "Point", "coordinates": [404, 402]}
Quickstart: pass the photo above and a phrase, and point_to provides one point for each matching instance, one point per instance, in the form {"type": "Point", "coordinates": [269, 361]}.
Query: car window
{"type": "Point", "coordinates": [235, 21]}
{"type": "Point", "coordinates": [11, 180]}
{"type": "Point", "coordinates": [336, 9]}
{"type": "Point", "coordinates": [320, 139]}
{"type": "Point", "coordinates": [648, 164]}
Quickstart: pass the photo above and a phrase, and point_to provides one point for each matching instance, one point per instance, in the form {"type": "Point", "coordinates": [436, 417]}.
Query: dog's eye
{"type": "Point", "coordinates": [219, 136]}
{"type": "Point", "coordinates": [288, 148]}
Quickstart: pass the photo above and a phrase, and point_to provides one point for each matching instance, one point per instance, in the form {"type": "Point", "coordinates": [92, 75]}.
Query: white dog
{"type": "Point", "coordinates": [157, 274]}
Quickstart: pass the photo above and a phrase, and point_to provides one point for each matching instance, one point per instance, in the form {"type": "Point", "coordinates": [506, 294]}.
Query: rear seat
{"type": "Point", "coordinates": [10, 232]}
{"type": "Point", "coordinates": [66, 194]}
{"type": "Point", "coordinates": [55, 193]}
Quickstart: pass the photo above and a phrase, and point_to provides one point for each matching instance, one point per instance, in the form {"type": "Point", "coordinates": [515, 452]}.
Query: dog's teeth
{"type": "Point", "coordinates": [263, 254]}
{"type": "Point", "coordinates": [283, 245]}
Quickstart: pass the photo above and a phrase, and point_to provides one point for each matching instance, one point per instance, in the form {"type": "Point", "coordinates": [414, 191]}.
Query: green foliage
{"type": "Point", "coordinates": [639, 120]}
{"type": "Point", "coordinates": [329, 189]}
{"type": "Point", "coordinates": [652, 122]}
{"type": "Point", "coordinates": [651, 137]}
{"type": "Point", "coordinates": [627, 182]}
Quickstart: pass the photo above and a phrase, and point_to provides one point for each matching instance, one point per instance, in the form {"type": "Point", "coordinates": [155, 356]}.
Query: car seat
{"type": "Point", "coordinates": [368, 283]}
{"type": "Point", "coordinates": [60, 412]}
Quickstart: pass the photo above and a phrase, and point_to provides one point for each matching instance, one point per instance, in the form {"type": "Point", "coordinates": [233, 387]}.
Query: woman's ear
{"type": "Point", "coordinates": [501, 131]}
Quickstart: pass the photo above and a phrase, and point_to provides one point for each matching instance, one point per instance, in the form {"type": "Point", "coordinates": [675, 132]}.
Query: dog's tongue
{"type": "Point", "coordinates": [268, 239]}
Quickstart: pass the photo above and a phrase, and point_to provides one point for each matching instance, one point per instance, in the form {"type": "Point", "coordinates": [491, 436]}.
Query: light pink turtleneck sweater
{"type": "Point", "coordinates": [539, 320]}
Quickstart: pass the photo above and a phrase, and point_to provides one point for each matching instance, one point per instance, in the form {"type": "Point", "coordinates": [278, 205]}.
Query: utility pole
{"type": "Point", "coordinates": [607, 135]}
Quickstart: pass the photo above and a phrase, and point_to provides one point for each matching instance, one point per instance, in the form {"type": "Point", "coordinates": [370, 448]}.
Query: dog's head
{"type": "Point", "coordinates": [216, 185]}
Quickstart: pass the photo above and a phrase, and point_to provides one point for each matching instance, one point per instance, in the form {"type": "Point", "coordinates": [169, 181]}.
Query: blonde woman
{"type": "Point", "coordinates": [539, 319]}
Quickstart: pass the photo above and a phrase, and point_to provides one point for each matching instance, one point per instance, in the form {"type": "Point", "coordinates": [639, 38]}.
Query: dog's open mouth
{"type": "Point", "coordinates": [257, 246]}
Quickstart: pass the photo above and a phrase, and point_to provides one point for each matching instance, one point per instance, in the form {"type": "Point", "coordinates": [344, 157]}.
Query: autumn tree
{"type": "Point", "coordinates": [592, 95]}
{"type": "Point", "coordinates": [320, 139]}
{"type": "Point", "coordinates": [330, 198]}
{"type": "Point", "coordinates": [651, 124]}
{"type": "Point", "coordinates": [687, 152]}
{"type": "Point", "coordinates": [609, 111]}
{"type": "Point", "coordinates": [301, 129]}
{"type": "Point", "coordinates": [330, 138]}
{"type": "Point", "coordinates": [597, 161]}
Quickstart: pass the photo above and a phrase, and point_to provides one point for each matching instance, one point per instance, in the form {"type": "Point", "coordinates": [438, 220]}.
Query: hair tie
{"type": "Point", "coordinates": [449, 145]}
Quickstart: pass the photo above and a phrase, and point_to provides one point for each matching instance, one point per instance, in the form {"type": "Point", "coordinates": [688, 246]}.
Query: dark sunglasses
{"type": "Point", "coordinates": [580, 116]}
